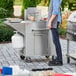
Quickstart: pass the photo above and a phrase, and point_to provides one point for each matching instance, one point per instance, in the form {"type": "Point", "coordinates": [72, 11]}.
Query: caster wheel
{"type": "Point", "coordinates": [22, 57]}
{"type": "Point", "coordinates": [28, 59]}
{"type": "Point", "coordinates": [47, 57]}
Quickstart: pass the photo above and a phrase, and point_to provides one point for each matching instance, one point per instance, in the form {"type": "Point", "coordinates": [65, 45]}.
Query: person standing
{"type": "Point", "coordinates": [54, 19]}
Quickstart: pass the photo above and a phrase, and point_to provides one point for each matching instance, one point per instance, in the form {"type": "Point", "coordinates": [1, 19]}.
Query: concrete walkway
{"type": "Point", "coordinates": [17, 10]}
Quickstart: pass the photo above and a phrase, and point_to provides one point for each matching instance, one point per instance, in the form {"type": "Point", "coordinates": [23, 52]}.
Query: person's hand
{"type": "Point", "coordinates": [49, 25]}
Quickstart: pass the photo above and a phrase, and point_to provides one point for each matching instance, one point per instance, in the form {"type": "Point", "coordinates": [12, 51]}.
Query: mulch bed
{"type": "Point", "coordinates": [5, 42]}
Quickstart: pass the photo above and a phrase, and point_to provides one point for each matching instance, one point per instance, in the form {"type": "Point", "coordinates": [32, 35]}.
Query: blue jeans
{"type": "Point", "coordinates": [56, 42]}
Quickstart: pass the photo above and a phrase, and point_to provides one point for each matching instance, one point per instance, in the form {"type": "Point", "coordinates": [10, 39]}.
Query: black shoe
{"type": "Point", "coordinates": [55, 63]}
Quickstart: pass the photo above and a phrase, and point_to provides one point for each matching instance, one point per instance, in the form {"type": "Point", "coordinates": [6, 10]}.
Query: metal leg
{"type": "Point", "coordinates": [68, 58]}
{"type": "Point", "coordinates": [75, 66]}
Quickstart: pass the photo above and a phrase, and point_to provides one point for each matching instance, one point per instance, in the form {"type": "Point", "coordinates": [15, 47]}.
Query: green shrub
{"type": "Point", "coordinates": [62, 32]}
{"type": "Point", "coordinates": [7, 5]}
{"type": "Point", "coordinates": [10, 8]}
{"type": "Point", "coordinates": [2, 22]}
{"type": "Point", "coordinates": [28, 3]}
{"type": "Point", "coordinates": [3, 13]}
{"type": "Point", "coordinates": [5, 33]}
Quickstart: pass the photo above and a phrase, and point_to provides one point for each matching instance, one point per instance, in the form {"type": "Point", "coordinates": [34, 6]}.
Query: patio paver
{"type": "Point", "coordinates": [9, 56]}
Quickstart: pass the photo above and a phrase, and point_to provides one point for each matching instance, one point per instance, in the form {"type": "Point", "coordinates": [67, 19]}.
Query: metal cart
{"type": "Point", "coordinates": [71, 35]}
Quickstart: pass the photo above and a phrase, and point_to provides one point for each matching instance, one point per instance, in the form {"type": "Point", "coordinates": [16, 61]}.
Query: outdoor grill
{"type": "Point", "coordinates": [37, 37]}
{"type": "Point", "coordinates": [71, 31]}
{"type": "Point", "coordinates": [71, 27]}
{"type": "Point", "coordinates": [71, 34]}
